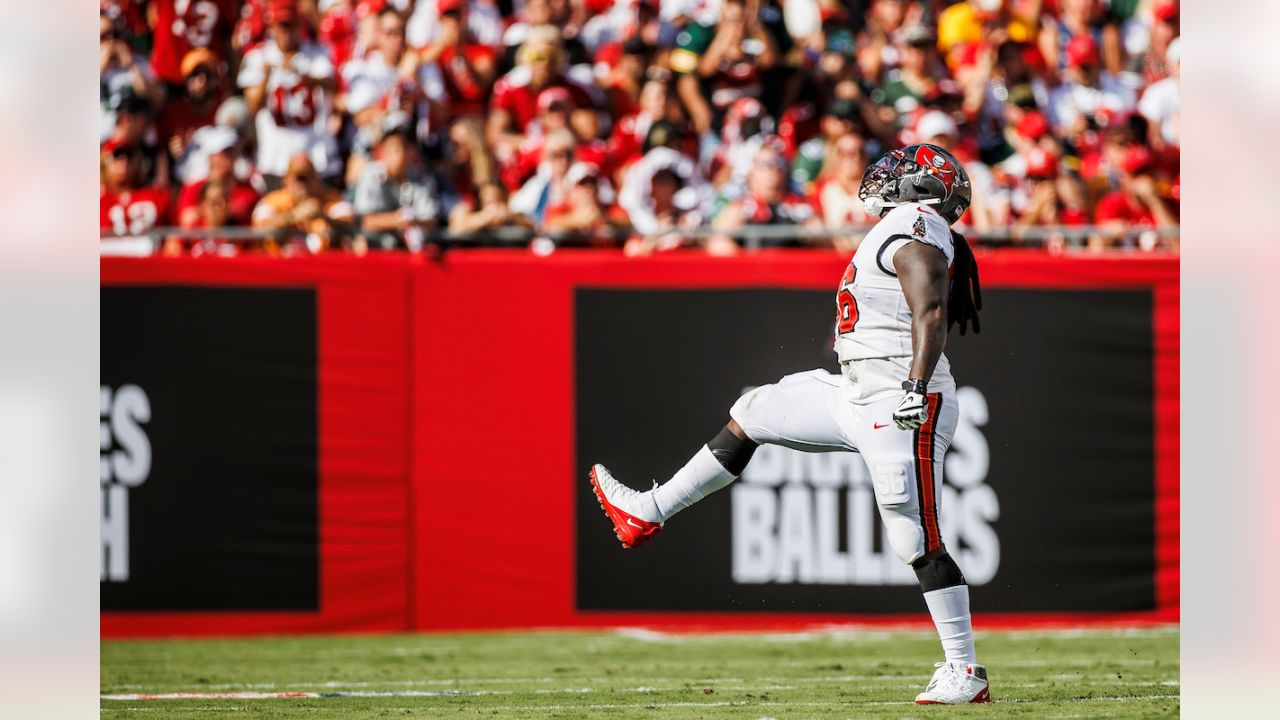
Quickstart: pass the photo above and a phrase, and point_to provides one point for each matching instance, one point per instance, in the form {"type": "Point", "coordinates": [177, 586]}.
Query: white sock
{"type": "Point", "coordinates": [950, 610]}
{"type": "Point", "coordinates": [700, 477]}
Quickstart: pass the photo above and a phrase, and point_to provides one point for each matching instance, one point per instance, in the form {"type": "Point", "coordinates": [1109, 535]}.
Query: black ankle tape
{"type": "Point", "coordinates": [938, 573]}
{"type": "Point", "coordinates": [732, 451]}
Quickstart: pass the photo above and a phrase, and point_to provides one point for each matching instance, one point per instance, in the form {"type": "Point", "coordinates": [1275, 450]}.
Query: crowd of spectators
{"type": "Point", "coordinates": [656, 124]}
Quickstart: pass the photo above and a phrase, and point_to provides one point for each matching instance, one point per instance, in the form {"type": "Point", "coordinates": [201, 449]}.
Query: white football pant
{"type": "Point", "coordinates": [806, 411]}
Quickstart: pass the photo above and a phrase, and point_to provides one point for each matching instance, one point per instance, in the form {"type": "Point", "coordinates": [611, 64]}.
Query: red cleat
{"type": "Point", "coordinates": [624, 506]}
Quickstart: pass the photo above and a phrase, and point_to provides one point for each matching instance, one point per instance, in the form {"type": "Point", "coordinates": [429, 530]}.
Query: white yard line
{"type": "Point", "coordinates": [659, 706]}
{"type": "Point", "coordinates": [304, 693]}
{"type": "Point", "coordinates": [651, 684]}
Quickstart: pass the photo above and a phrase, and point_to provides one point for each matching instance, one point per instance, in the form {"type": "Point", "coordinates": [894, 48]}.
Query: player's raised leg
{"type": "Point", "coordinates": [799, 411]}
{"type": "Point", "coordinates": [638, 516]}
{"type": "Point", "coordinates": [906, 471]}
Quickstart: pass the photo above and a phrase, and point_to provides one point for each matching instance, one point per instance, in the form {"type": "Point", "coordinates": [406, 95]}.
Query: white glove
{"type": "Point", "coordinates": [913, 411]}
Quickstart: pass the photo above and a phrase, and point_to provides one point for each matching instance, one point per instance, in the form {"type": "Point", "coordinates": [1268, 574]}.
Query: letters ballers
{"type": "Point", "coordinates": [894, 401]}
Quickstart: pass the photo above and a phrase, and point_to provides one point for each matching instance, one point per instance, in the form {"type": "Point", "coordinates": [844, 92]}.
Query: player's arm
{"type": "Point", "coordinates": [922, 270]}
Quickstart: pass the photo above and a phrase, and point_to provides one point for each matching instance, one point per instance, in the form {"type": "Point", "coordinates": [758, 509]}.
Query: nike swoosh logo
{"type": "Point", "coordinates": [877, 426]}
{"type": "Point", "coordinates": [633, 524]}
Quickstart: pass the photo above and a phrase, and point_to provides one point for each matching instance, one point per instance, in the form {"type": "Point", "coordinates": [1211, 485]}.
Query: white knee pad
{"type": "Point", "coordinates": [905, 534]}
{"type": "Point", "coordinates": [898, 508]}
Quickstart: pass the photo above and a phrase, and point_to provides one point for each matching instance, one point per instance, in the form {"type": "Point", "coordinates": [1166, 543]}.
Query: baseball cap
{"type": "Point", "coordinates": [445, 6]}
{"type": "Point", "coordinates": [552, 96]}
{"type": "Point", "coordinates": [395, 122]}
{"type": "Point", "coordinates": [748, 107]}
{"type": "Point", "coordinates": [608, 54]}
{"type": "Point", "coordinates": [1022, 95]}
{"type": "Point", "coordinates": [1033, 125]}
{"type": "Point", "coordinates": [842, 109]}
{"type": "Point", "coordinates": [1082, 49]}
{"type": "Point", "coordinates": [935, 123]}
{"type": "Point", "coordinates": [1107, 117]}
{"type": "Point", "coordinates": [282, 11]}
{"type": "Point", "coordinates": [1136, 158]}
{"type": "Point", "coordinates": [1034, 59]}
{"type": "Point", "coordinates": [129, 103]}
{"type": "Point", "coordinates": [197, 57]}
{"type": "Point", "coordinates": [111, 146]}
{"type": "Point", "coordinates": [580, 171]}
{"type": "Point", "coordinates": [215, 139]}
{"type": "Point", "coordinates": [663, 133]}
{"type": "Point", "coordinates": [636, 46]}
{"type": "Point", "coordinates": [233, 112]}
{"type": "Point", "coordinates": [840, 41]}
{"type": "Point", "coordinates": [361, 96]}
{"type": "Point", "coordinates": [917, 35]}
{"type": "Point", "coordinates": [1041, 163]}
{"type": "Point", "coordinates": [1166, 10]}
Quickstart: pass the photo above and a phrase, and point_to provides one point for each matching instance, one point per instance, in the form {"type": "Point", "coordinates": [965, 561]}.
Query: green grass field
{"type": "Point", "coordinates": [637, 674]}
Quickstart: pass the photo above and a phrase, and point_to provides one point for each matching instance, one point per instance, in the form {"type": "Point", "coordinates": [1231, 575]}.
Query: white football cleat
{"type": "Point", "coordinates": [956, 685]}
{"type": "Point", "coordinates": [629, 510]}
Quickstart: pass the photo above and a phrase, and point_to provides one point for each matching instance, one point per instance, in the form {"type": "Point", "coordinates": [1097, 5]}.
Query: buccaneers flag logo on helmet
{"type": "Point", "coordinates": [936, 165]}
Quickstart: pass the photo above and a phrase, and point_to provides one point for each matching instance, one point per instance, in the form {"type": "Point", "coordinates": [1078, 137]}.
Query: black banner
{"type": "Point", "coordinates": [1049, 497]}
{"type": "Point", "coordinates": [209, 463]}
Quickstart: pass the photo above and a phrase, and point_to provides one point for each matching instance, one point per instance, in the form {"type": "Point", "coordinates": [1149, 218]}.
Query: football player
{"type": "Point", "coordinates": [894, 401]}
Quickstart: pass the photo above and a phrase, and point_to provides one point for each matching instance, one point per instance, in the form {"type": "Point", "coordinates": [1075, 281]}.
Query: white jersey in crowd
{"type": "Point", "coordinates": [294, 116]}
{"type": "Point", "coordinates": [873, 320]}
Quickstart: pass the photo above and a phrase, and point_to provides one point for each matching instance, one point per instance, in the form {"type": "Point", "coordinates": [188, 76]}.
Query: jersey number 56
{"type": "Point", "coordinates": [846, 304]}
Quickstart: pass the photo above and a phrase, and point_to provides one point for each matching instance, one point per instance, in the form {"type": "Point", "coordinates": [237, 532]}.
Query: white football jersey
{"type": "Point", "coordinates": [873, 320]}
{"type": "Point", "coordinates": [295, 116]}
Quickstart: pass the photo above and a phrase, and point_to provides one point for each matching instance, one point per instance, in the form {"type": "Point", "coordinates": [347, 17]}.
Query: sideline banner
{"type": "Point", "coordinates": [332, 443]}
{"type": "Point", "coordinates": [254, 460]}
{"type": "Point", "coordinates": [210, 493]}
{"type": "Point", "coordinates": [1061, 497]}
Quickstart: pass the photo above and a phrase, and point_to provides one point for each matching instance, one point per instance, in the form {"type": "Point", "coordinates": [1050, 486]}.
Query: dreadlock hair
{"type": "Point", "coordinates": [965, 298]}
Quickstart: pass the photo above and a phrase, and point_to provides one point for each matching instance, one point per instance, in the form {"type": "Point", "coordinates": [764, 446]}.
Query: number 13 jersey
{"type": "Point", "coordinates": [873, 320]}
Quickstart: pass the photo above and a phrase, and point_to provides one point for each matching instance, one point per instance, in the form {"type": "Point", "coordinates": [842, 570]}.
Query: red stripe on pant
{"type": "Point", "coordinates": [924, 438]}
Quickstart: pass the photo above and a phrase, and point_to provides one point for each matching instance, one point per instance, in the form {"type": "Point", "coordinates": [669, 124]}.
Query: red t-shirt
{"type": "Point", "coordinates": [133, 212]}
{"type": "Point", "coordinates": [179, 117]}
{"type": "Point", "coordinates": [512, 93]}
{"type": "Point", "coordinates": [626, 144]}
{"type": "Point", "coordinates": [182, 25]}
{"type": "Point", "coordinates": [239, 206]}
{"type": "Point", "coordinates": [1074, 216]}
{"type": "Point", "coordinates": [525, 162]}
{"type": "Point", "coordinates": [466, 95]}
{"type": "Point", "coordinates": [619, 102]}
{"type": "Point", "coordinates": [1116, 205]}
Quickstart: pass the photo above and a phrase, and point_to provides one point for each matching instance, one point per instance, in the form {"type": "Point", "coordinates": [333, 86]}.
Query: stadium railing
{"type": "Point", "coordinates": [751, 237]}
